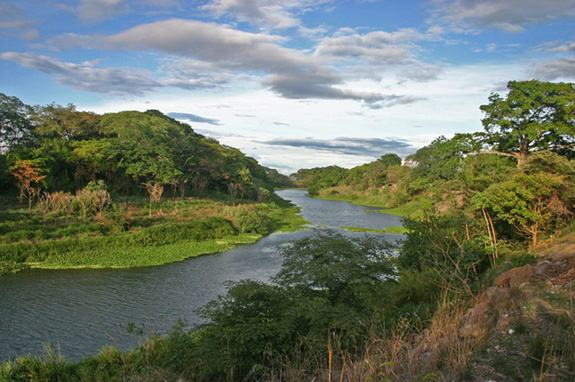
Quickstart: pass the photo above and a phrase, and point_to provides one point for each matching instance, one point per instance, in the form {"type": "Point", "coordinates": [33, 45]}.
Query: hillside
{"type": "Point", "coordinates": [124, 189]}
{"type": "Point", "coordinates": [518, 327]}
{"type": "Point", "coordinates": [132, 152]}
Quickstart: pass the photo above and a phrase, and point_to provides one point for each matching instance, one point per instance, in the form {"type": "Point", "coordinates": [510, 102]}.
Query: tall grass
{"type": "Point", "coordinates": [126, 235]}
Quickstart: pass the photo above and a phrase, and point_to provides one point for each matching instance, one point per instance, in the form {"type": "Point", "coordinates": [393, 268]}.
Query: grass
{"type": "Point", "coordinates": [126, 234]}
{"type": "Point", "coordinates": [144, 256]}
{"type": "Point", "coordinates": [394, 230]}
{"type": "Point", "coordinates": [389, 204]}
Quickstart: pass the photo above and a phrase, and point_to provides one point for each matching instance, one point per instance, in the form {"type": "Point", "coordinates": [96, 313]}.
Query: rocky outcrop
{"type": "Point", "coordinates": [515, 277]}
{"type": "Point", "coordinates": [558, 270]}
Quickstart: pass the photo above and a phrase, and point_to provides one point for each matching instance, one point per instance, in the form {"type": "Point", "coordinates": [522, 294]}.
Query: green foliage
{"type": "Point", "coordinates": [444, 242]}
{"type": "Point", "coordinates": [390, 160]}
{"type": "Point", "coordinates": [320, 177]}
{"type": "Point", "coordinates": [15, 124]}
{"type": "Point", "coordinates": [442, 159]}
{"type": "Point", "coordinates": [339, 266]}
{"type": "Point", "coordinates": [253, 221]}
{"type": "Point", "coordinates": [533, 200]}
{"type": "Point", "coordinates": [255, 323]}
{"type": "Point", "coordinates": [124, 235]}
{"type": "Point", "coordinates": [126, 149]}
{"type": "Point", "coordinates": [533, 116]}
{"type": "Point", "coordinates": [482, 170]}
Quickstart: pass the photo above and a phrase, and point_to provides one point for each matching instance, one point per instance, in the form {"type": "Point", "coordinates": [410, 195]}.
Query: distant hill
{"type": "Point", "coordinates": [127, 150]}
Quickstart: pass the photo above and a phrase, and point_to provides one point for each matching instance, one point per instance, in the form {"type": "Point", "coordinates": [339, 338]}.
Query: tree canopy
{"type": "Point", "coordinates": [533, 116]}
{"type": "Point", "coordinates": [128, 150]}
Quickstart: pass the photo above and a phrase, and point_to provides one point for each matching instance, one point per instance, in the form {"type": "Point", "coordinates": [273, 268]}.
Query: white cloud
{"type": "Point", "coordinates": [375, 47]}
{"type": "Point", "coordinates": [191, 74]}
{"type": "Point", "coordinates": [505, 15]}
{"type": "Point", "coordinates": [569, 47]}
{"type": "Point", "coordinates": [558, 69]}
{"type": "Point", "coordinates": [85, 76]}
{"type": "Point", "coordinates": [372, 54]}
{"type": "Point", "coordinates": [268, 14]}
{"type": "Point", "coordinates": [13, 17]}
{"type": "Point", "coordinates": [97, 10]}
{"type": "Point", "coordinates": [287, 72]}
{"type": "Point", "coordinates": [30, 34]}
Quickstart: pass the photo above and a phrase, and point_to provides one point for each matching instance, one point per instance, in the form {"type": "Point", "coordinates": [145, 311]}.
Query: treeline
{"type": "Point", "coordinates": [57, 148]}
{"type": "Point", "coordinates": [514, 180]}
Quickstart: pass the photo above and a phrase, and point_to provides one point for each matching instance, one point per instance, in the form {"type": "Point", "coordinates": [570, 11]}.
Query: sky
{"type": "Point", "coordinates": [292, 83]}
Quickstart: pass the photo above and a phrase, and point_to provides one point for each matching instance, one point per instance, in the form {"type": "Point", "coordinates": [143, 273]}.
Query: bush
{"type": "Point", "coordinates": [443, 242]}
{"type": "Point", "coordinates": [252, 222]}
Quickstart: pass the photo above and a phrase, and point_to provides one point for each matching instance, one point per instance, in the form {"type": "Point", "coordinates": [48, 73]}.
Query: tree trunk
{"type": "Point", "coordinates": [521, 157]}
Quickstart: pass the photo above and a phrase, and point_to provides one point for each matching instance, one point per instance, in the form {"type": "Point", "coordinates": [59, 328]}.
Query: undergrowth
{"type": "Point", "coordinates": [127, 233]}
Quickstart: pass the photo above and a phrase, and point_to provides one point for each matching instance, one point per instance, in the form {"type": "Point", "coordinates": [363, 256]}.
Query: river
{"type": "Point", "coordinates": [80, 311]}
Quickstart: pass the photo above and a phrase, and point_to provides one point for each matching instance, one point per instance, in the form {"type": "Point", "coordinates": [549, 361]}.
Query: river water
{"type": "Point", "coordinates": [80, 311]}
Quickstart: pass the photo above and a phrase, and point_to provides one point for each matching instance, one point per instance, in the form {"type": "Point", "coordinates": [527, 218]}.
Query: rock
{"type": "Point", "coordinates": [543, 270]}
{"type": "Point", "coordinates": [515, 277]}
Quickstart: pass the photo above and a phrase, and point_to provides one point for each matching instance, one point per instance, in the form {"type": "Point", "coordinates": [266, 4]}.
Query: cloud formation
{"type": "Point", "coordinates": [85, 76]}
{"type": "Point", "coordinates": [97, 10]}
{"type": "Point", "coordinates": [375, 47]}
{"type": "Point", "coordinates": [371, 54]}
{"type": "Point", "coordinates": [288, 72]}
{"type": "Point", "coordinates": [13, 17]}
{"type": "Point", "coordinates": [192, 75]}
{"type": "Point", "coordinates": [553, 70]}
{"type": "Point", "coordinates": [194, 118]}
{"type": "Point", "coordinates": [374, 147]}
{"type": "Point", "coordinates": [269, 14]}
{"type": "Point", "coordinates": [508, 16]}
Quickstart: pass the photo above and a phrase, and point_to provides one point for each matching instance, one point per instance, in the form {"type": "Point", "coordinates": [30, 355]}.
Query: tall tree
{"type": "Point", "coordinates": [390, 159]}
{"type": "Point", "coordinates": [443, 158]}
{"type": "Point", "coordinates": [533, 116]}
{"type": "Point", "coordinates": [15, 124]}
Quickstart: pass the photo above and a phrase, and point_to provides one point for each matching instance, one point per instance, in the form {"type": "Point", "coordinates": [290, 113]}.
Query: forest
{"type": "Point", "coordinates": [481, 288]}
{"type": "Point", "coordinates": [87, 190]}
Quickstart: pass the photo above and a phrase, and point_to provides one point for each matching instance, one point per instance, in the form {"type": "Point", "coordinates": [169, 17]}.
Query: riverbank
{"type": "Point", "coordinates": [373, 197]}
{"type": "Point", "coordinates": [406, 210]}
{"type": "Point", "coordinates": [130, 233]}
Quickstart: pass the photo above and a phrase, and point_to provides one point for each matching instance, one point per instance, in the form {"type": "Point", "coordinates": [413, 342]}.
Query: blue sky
{"type": "Point", "coordinates": [292, 83]}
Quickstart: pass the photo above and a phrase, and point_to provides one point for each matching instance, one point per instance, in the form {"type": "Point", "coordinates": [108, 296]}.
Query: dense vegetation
{"type": "Point", "coordinates": [514, 180]}
{"type": "Point", "coordinates": [130, 151]}
{"type": "Point", "coordinates": [362, 310]}
{"type": "Point", "coordinates": [124, 189]}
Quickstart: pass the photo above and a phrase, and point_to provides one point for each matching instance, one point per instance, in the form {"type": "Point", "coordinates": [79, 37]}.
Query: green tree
{"type": "Point", "coordinates": [442, 159]}
{"type": "Point", "coordinates": [444, 242]}
{"type": "Point", "coordinates": [478, 172]}
{"type": "Point", "coordinates": [340, 266]}
{"type": "Point", "coordinates": [15, 123]}
{"type": "Point", "coordinates": [533, 116]}
{"type": "Point", "coordinates": [58, 131]}
{"type": "Point", "coordinates": [317, 295]}
{"type": "Point", "coordinates": [390, 159]}
{"type": "Point", "coordinates": [144, 146]}
{"type": "Point", "coordinates": [319, 178]}
{"type": "Point", "coordinates": [67, 123]}
{"type": "Point", "coordinates": [529, 202]}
